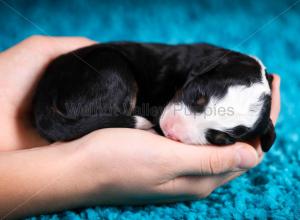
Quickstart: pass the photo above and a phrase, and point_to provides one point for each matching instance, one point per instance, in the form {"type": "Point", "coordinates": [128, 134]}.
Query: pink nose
{"type": "Point", "coordinates": [169, 130]}
{"type": "Point", "coordinates": [172, 136]}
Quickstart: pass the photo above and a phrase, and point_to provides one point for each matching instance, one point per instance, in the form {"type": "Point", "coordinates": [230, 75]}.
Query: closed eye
{"type": "Point", "coordinates": [201, 100]}
{"type": "Point", "coordinates": [199, 103]}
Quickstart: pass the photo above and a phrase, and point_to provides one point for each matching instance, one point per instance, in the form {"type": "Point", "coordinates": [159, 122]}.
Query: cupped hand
{"type": "Point", "coordinates": [21, 68]}
{"type": "Point", "coordinates": [140, 167]}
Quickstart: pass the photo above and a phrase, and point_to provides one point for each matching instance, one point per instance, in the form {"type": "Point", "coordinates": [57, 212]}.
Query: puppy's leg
{"type": "Point", "coordinates": [74, 99]}
{"type": "Point", "coordinates": [142, 123]}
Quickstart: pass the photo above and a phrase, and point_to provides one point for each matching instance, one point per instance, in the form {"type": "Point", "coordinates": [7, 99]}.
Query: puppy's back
{"type": "Point", "coordinates": [82, 91]}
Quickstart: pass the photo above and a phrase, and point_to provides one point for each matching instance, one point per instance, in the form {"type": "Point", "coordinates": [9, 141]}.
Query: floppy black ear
{"type": "Point", "coordinates": [219, 137]}
{"type": "Point", "coordinates": [268, 137]}
{"type": "Point", "coordinates": [270, 79]}
{"type": "Point", "coordinates": [205, 65]}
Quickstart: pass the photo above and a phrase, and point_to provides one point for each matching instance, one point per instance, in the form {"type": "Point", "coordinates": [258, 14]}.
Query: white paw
{"type": "Point", "coordinates": [142, 123]}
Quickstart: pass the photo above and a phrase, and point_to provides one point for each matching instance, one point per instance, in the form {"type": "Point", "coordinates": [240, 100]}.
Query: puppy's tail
{"type": "Point", "coordinates": [56, 127]}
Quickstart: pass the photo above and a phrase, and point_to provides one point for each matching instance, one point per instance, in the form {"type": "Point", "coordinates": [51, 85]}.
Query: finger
{"type": "Point", "coordinates": [212, 160]}
{"type": "Point", "coordinates": [228, 177]}
{"type": "Point", "coordinates": [257, 146]}
{"type": "Point", "coordinates": [34, 53]}
{"type": "Point", "coordinates": [48, 46]}
{"type": "Point", "coordinates": [259, 151]}
{"type": "Point", "coordinates": [63, 45]}
{"type": "Point", "coordinates": [275, 109]}
{"type": "Point", "coordinates": [197, 186]}
{"type": "Point", "coordinates": [224, 178]}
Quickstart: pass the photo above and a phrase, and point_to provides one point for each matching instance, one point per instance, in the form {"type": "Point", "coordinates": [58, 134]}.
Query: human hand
{"type": "Point", "coordinates": [21, 68]}
{"type": "Point", "coordinates": [109, 166]}
{"type": "Point", "coordinates": [23, 65]}
{"type": "Point", "coordinates": [130, 166]}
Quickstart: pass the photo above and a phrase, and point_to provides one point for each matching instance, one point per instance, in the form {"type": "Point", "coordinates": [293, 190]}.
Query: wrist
{"type": "Point", "coordinates": [47, 179]}
{"type": "Point", "coordinates": [88, 171]}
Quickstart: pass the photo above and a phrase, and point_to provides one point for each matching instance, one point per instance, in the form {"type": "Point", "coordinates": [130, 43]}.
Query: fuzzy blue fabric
{"type": "Point", "coordinates": [267, 29]}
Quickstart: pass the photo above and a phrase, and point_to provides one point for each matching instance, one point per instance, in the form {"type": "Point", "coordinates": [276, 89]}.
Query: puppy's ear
{"type": "Point", "coordinates": [206, 65]}
{"type": "Point", "coordinates": [219, 137]}
{"type": "Point", "coordinates": [270, 79]}
{"type": "Point", "coordinates": [268, 137]}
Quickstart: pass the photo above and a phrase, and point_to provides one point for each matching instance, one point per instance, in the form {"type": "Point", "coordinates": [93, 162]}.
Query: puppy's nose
{"type": "Point", "coordinates": [172, 136]}
{"type": "Point", "coordinates": [169, 130]}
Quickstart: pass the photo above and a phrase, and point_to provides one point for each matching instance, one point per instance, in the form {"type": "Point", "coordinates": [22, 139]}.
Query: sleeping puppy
{"type": "Point", "coordinates": [196, 94]}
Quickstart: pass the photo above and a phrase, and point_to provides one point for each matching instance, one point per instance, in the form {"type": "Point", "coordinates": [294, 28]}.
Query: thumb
{"type": "Point", "coordinates": [212, 160]}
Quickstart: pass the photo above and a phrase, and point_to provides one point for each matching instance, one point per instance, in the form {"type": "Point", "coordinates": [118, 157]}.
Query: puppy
{"type": "Point", "coordinates": [196, 94]}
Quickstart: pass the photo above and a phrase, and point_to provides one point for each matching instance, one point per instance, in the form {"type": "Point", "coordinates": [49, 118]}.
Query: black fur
{"type": "Point", "coordinates": [219, 137]}
{"type": "Point", "coordinates": [105, 85]}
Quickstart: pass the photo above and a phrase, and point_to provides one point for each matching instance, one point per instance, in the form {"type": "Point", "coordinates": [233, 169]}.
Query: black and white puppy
{"type": "Point", "coordinates": [196, 94]}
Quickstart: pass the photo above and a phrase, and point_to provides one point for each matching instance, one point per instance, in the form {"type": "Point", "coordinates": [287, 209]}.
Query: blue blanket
{"type": "Point", "coordinates": [267, 29]}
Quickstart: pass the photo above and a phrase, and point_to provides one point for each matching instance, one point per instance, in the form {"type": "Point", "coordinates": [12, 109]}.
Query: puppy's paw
{"type": "Point", "coordinates": [142, 123]}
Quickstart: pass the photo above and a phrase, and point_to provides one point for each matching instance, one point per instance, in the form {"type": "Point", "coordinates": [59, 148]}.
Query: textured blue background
{"type": "Point", "coordinates": [271, 190]}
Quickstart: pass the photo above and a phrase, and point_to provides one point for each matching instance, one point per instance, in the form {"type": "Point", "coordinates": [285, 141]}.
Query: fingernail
{"type": "Point", "coordinates": [247, 158]}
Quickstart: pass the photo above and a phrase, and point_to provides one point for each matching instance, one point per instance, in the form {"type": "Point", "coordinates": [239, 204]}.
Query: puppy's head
{"type": "Point", "coordinates": [224, 100]}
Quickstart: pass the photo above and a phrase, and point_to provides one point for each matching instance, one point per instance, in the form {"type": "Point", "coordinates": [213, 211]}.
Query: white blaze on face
{"type": "Point", "coordinates": [241, 105]}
